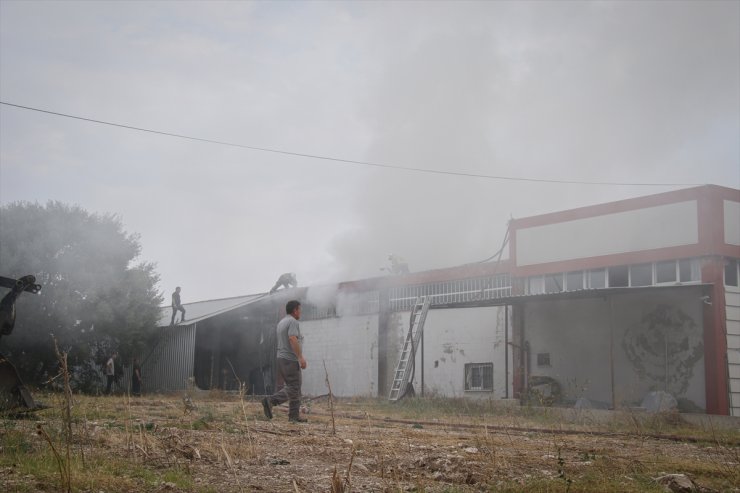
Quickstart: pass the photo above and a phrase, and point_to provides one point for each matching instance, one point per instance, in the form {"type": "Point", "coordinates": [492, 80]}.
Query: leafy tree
{"type": "Point", "coordinates": [95, 298]}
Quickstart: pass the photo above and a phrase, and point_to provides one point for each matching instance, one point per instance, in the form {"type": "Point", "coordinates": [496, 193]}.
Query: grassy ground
{"type": "Point", "coordinates": [436, 445]}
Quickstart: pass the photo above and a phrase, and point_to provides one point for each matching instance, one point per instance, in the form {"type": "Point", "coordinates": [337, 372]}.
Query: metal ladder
{"type": "Point", "coordinates": [405, 362]}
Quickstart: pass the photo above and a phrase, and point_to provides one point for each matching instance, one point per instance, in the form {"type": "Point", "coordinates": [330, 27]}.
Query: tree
{"type": "Point", "coordinates": [95, 297]}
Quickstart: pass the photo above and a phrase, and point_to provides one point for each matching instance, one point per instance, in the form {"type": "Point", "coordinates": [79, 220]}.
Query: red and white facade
{"type": "Point", "coordinates": [681, 237]}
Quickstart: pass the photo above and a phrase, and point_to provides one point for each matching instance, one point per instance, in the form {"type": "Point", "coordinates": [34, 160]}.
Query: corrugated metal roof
{"type": "Point", "coordinates": [200, 310]}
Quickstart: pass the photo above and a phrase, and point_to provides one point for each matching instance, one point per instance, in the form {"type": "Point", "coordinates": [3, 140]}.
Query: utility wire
{"type": "Point", "coordinates": [347, 161]}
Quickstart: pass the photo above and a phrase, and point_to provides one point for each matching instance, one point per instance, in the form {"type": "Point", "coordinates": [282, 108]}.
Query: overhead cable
{"type": "Point", "coordinates": [348, 161]}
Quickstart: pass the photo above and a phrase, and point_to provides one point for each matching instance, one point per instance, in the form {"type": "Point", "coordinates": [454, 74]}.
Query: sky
{"type": "Point", "coordinates": [636, 92]}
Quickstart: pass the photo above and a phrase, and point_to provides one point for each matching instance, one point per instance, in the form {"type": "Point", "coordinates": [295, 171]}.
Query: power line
{"type": "Point", "coordinates": [346, 161]}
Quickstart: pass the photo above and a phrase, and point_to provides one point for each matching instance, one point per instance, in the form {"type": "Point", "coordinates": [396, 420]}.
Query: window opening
{"type": "Point", "coordinates": [553, 283]}
{"type": "Point", "coordinates": [597, 279]}
{"type": "Point", "coordinates": [536, 285]}
{"type": "Point", "coordinates": [479, 376]}
{"type": "Point", "coordinates": [688, 270]}
{"type": "Point", "coordinates": [574, 281]}
{"type": "Point", "coordinates": [641, 275]}
{"type": "Point", "coordinates": [665, 272]}
{"type": "Point", "coordinates": [731, 274]}
{"type": "Point", "coordinates": [543, 359]}
{"type": "Point", "coordinates": [619, 277]}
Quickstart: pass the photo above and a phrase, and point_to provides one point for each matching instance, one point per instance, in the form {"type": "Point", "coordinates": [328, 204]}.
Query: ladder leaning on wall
{"type": "Point", "coordinates": [405, 366]}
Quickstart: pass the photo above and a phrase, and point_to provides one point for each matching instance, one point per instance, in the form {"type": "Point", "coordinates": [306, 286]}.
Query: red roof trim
{"type": "Point", "coordinates": [430, 276]}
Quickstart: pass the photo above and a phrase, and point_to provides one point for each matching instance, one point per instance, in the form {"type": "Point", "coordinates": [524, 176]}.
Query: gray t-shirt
{"type": "Point", "coordinates": [287, 327]}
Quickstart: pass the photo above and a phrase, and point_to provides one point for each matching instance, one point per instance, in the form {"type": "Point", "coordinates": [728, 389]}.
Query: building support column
{"type": "Point", "coordinates": [519, 356]}
{"type": "Point", "coordinates": [422, 362]}
{"type": "Point", "coordinates": [611, 351]}
{"type": "Point", "coordinates": [384, 342]}
{"type": "Point", "coordinates": [715, 338]}
{"type": "Point", "coordinates": [506, 351]}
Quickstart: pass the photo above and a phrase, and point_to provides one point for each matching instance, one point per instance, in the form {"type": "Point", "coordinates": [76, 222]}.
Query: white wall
{"type": "Point", "coordinates": [576, 333]}
{"type": "Point", "coordinates": [452, 338]}
{"type": "Point", "coordinates": [643, 229]}
{"type": "Point", "coordinates": [349, 346]}
{"type": "Point", "coordinates": [732, 222]}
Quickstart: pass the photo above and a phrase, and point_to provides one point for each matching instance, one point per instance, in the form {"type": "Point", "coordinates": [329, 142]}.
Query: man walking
{"type": "Point", "coordinates": [290, 361]}
{"type": "Point", "coordinates": [110, 372]}
{"type": "Point", "coordinates": [177, 306]}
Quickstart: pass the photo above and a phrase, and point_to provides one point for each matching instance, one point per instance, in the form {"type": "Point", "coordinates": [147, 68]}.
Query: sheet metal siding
{"type": "Point", "coordinates": [732, 308]}
{"type": "Point", "coordinates": [171, 363]}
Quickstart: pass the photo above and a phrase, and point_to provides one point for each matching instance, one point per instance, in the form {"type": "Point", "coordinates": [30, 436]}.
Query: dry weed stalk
{"type": "Point", "coordinates": [337, 486]}
{"type": "Point", "coordinates": [144, 447]}
{"type": "Point", "coordinates": [491, 448]}
{"type": "Point", "coordinates": [86, 440]}
{"type": "Point", "coordinates": [242, 394]}
{"type": "Point", "coordinates": [229, 462]}
{"type": "Point", "coordinates": [66, 420]}
{"type": "Point", "coordinates": [130, 449]}
{"type": "Point", "coordinates": [63, 472]}
{"type": "Point", "coordinates": [726, 458]}
{"type": "Point", "coordinates": [331, 401]}
{"type": "Point", "coordinates": [348, 478]}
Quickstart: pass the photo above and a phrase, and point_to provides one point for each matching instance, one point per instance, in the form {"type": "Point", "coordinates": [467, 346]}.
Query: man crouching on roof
{"type": "Point", "coordinates": [290, 362]}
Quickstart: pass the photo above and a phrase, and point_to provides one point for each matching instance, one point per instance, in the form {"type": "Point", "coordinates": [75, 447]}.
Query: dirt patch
{"type": "Point", "coordinates": [224, 445]}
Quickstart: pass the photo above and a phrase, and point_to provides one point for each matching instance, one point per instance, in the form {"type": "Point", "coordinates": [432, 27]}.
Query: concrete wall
{"type": "Point", "coordinates": [577, 336]}
{"type": "Point", "coordinates": [643, 229]}
{"type": "Point", "coordinates": [349, 346]}
{"type": "Point", "coordinates": [452, 338]}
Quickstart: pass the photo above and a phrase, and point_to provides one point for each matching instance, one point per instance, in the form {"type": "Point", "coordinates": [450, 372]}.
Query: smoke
{"type": "Point", "coordinates": [625, 91]}
{"type": "Point", "coordinates": [607, 91]}
{"type": "Point", "coordinates": [322, 295]}
{"type": "Point", "coordinates": [330, 300]}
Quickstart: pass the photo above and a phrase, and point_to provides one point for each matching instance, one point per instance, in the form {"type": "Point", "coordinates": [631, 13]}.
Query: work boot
{"type": "Point", "coordinates": [267, 407]}
{"type": "Point", "coordinates": [297, 420]}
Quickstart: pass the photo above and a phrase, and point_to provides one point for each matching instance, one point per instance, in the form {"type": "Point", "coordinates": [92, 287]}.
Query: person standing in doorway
{"type": "Point", "coordinates": [110, 372]}
{"type": "Point", "coordinates": [177, 306]}
{"type": "Point", "coordinates": [290, 362]}
{"type": "Point", "coordinates": [136, 378]}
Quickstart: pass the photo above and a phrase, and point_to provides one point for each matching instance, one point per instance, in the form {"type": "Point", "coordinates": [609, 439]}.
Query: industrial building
{"type": "Point", "coordinates": [604, 303]}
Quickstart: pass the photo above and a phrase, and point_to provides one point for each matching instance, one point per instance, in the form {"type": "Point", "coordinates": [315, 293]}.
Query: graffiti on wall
{"type": "Point", "coordinates": [664, 348]}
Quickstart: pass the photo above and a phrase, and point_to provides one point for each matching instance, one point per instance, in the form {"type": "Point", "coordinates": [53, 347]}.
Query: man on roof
{"type": "Point", "coordinates": [177, 306]}
{"type": "Point", "coordinates": [286, 281]}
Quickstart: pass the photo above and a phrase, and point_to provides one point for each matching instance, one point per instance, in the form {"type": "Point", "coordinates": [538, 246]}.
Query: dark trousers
{"type": "Point", "coordinates": [110, 379]}
{"type": "Point", "coordinates": [135, 386]}
{"type": "Point", "coordinates": [175, 309]}
{"type": "Point", "coordinates": [279, 285]}
{"type": "Point", "coordinates": [290, 371]}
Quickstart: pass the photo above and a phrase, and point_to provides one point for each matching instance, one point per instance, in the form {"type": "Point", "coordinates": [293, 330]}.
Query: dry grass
{"type": "Point", "coordinates": [435, 445]}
